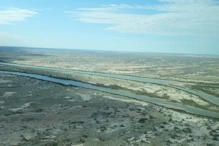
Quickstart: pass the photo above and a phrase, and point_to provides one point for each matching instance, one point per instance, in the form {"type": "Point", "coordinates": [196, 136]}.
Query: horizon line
{"type": "Point", "coordinates": [115, 51]}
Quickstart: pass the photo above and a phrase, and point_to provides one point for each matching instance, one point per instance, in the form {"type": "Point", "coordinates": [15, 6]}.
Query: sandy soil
{"type": "Point", "coordinates": [49, 114]}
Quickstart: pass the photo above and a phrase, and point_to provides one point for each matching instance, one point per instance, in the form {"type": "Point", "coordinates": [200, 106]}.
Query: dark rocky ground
{"type": "Point", "coordinates": [40, 113]}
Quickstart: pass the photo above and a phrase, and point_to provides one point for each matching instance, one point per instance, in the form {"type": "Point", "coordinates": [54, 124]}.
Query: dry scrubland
{"type": "Point", "coordinates": [34, 112]}
{"type": "Point", "coordinates": [41, 113]}
{"type": "Point", "coordinates": [171, 66]}
{"type": "Point", "coordinates": [193, 71]}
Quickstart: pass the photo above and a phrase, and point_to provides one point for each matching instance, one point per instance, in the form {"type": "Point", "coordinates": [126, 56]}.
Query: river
{"type": "Point", "coordinates": [203, 95]}
{"type": "Point", "coordinates": [157, 101]}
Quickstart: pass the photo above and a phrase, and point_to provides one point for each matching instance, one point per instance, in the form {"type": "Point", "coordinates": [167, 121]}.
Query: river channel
{"type": "Point", "coordinates": [203, 95]}
{"type": "Point", "coordinates": [157, 101]}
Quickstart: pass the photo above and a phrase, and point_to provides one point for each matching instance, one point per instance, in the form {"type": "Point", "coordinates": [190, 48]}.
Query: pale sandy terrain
{"type": "Point", "coordinates": [171, 94]}
{"type": "Point", "coordinates": [195, 68]}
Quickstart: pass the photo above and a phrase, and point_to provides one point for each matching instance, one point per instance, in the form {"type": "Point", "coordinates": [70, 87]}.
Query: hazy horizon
{"type": "Point", "coordinates": [113, 51]}
{"type": "Point", "coordinates": [159, 26]}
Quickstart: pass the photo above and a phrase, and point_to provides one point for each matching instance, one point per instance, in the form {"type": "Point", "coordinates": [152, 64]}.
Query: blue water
{"type": "Point", "coordinates": [205, 96]}
{"type": "Point", "coordinates": [157, 101]}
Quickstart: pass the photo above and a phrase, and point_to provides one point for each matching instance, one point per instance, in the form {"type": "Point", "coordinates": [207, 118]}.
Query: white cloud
{"type": "Point", "coordinates": [169, 17]}
{"type": "Point", "coordinates": [15, 14]}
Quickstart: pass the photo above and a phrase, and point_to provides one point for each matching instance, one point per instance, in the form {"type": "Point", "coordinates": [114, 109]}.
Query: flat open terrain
{"type": "Point", "coordinates": [196, 68]}
{"type": "Point", "coordinates": [36, 112]}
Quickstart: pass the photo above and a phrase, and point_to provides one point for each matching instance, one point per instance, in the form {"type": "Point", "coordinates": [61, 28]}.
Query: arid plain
{"type": "Point", "coordinates": [37, 112]}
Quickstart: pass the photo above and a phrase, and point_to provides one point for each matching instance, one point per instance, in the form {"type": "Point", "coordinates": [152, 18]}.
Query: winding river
{"type": "Point", "coordinates": [157, 101]}
{"type": "Point", "coordinates": [205, 96]}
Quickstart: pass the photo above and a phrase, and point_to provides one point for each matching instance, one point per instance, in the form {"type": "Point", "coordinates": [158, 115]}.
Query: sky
{"type": "Point", "coordinates": [164, 26]}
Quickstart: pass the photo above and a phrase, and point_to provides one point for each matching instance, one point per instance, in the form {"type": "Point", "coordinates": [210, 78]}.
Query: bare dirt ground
{"type": "Point", "coordinates": [34, 112]}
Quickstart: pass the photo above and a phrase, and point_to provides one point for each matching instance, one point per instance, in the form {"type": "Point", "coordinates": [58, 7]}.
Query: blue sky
{"type": "Point", "coordinates": [169, 26]}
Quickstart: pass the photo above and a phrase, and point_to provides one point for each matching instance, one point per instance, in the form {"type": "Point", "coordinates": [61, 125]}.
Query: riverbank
{"type": "Point", "coordinates": [35, 112]}
{"type": "Point", "coordinates": [171, 93]}
{"type": "Point", "coordinates": [178, 67]}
